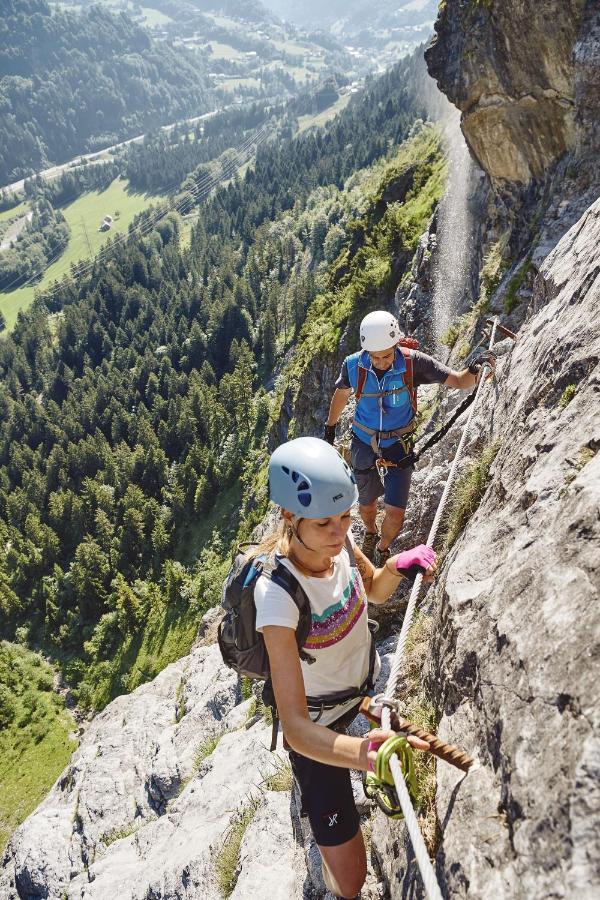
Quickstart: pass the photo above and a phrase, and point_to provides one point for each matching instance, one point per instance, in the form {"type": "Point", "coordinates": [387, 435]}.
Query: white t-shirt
{"type": "Point", "coordinates": [339, 637]}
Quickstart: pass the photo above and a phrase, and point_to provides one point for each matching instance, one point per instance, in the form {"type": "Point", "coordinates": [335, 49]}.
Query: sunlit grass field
{"type": "Point", "coordinates": [19, 210]}
{"type": "Point", "coordinates": [322, 118]}
{"type": "Point", "coordinates": [225, 51]}
{"type": "Point", "coordinates": [155, 18]}
{"type": "Point", "coordinates": [84, 215]}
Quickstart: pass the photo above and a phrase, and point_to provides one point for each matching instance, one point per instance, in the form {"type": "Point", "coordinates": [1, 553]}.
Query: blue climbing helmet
{"type": "Point", "coordinates": [308, 477]}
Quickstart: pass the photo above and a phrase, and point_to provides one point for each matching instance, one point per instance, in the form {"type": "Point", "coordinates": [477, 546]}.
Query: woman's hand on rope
{"type": "Point", "coordinates": [378, 736]}
{"type": "Point", "coordinates": [410, 563]}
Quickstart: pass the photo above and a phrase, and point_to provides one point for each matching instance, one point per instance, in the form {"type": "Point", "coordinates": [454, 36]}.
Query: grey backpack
{"type": "Point", "coordinates": [242, 647]}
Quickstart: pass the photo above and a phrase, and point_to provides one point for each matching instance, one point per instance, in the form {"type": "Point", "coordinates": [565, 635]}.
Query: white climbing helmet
{"type": "Point", "coordinates": [379, 331]}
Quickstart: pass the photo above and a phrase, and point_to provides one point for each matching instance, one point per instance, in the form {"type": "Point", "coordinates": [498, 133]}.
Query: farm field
{"type": "Point", "coordinates": [322, 118]}
{"type": "Point", "coordinates": [84, 214]}
{"type": "Point", "coordinates": [291, 47]}
{"type": "Point", "coordinates": [232, 83]}
{"type": "Point", "coordinates": [225, 51]}
{"type": "Point", "coordinates": [153, 18]}
{"type": "Point", "coordinates": [19, 210]}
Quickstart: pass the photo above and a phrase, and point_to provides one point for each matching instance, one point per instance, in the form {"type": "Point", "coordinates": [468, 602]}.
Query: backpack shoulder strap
{"type": "Point", "coordinates": [282, 576]}
{"type": "Point", "coordinates": [360, 383]}
{"type": "Point", "coordinates": [407, 353]}
{"type": "Point", "coordinates": [350, 550]}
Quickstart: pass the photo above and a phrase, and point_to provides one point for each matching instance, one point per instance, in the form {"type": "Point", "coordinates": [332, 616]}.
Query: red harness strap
{"type": "Point", "coordinates": [406, 346]}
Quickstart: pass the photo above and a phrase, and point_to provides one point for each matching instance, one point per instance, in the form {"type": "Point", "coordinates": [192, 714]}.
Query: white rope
{"type": "Point", "coordinates": [427, 872]}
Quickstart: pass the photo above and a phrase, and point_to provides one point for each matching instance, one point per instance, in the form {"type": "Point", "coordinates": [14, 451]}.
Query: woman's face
{"type": "Point", "coordinates": [326, 535]}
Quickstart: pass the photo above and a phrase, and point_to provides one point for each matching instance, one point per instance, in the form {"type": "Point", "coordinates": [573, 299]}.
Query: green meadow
{"type": "Point", "coordinates": [84, 216]}
{"type": "Point", "coordinates": [322, 118]}
{"type": "Point", "coordinates": [19, 210]}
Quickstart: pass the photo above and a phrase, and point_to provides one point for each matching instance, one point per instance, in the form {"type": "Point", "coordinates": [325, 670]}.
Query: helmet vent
{"type": "Point", "coordinates": [286, 470]}
{"type": "Point", "coordinates": [305, 498]}
{"type": "Point", "coordinates": [303, 486]}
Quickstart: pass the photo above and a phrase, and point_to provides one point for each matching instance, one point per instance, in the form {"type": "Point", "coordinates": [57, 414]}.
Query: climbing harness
{"type": "Point", "coordinates": [427, 873]}
{"type": "Point", "coordinates": [400, 388]}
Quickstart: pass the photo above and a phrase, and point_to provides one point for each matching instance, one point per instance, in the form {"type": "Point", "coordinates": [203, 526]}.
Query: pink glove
{"type": "Point", "coordinates": [373, 745]}
{"type": "Point", "coordinates": [412, 562]}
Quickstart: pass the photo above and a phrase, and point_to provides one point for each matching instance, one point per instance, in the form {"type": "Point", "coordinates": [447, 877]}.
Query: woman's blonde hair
{"type": "Point", "coordinates": [277, 541]}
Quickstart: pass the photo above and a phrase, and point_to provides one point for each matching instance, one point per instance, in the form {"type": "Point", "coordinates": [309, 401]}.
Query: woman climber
{"type": "Point", "coordinates": [316, 489]}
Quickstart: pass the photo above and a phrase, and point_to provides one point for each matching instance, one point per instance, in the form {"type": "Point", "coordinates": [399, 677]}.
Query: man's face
{"type": "Point", "coordinates": [382, 359]}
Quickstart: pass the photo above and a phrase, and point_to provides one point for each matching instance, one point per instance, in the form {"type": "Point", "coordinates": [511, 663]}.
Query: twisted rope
{"type": "Point", "coordinates": [425, 867]}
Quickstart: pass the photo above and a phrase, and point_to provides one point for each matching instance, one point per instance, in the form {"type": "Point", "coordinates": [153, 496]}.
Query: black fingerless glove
{"type": "Point", "coordinates": [487, 356]}
{"type": "Point", "coordinates": [329, 434]}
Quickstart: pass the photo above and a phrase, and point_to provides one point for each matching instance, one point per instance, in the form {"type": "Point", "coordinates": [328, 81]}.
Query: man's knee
{"type": "Point", "coordinates": [368, 509]}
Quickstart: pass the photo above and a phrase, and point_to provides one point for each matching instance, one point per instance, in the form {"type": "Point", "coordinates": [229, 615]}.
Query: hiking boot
{"type": "Point", "coordinates": [369, 544]}
{"type": "Point", "coordinates": [382, 556]}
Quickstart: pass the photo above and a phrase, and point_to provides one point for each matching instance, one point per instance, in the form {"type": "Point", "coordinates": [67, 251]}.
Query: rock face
{"type": "Point", "coordinates": [509, 68]}
{"type": "Point", "coordinates": [514, 663]}
{"type": "Point", "coordinates": [139, 814]}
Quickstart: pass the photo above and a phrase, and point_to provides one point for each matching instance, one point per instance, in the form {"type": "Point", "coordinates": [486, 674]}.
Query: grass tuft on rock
{"type": "Point", "coordinates": [228, 859]}
{"type": "Point", "coordinates": [467, 494]}
{"type": "Point", "coordinates": [511, 298]}
{"type": "Point", "coordinates": [206, 747]}
{"type": "Point", "coordinates": [280, 779]}
{"type": "Point", "coordinates": [567, 395]}
{"type": "Point", "coordinates": [420, 710]}
{"type": "Point", "coordinates": [117, 834]}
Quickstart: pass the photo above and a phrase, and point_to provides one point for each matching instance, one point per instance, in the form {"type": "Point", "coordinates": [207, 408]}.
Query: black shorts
{"type": "Point", "coordinates": [327, 800]}
{"type": "Point", "coordinates": [396, 486]}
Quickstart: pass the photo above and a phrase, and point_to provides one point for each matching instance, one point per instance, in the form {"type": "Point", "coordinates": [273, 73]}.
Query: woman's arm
{"type": "Point", "coordinates": [304, 736]}
{"type": "Point", "coordinates": [381, 583]}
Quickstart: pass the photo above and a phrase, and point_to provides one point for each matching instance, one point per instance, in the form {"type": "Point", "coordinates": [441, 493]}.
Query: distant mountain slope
{"type": "Point", "coordinates": [241, 9]}
{"type": "Point", "coordinates": [71, 82]}
{"type": "Point", "coordinates": [355, 14]}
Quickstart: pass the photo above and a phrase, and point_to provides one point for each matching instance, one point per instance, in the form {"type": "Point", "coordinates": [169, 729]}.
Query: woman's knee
{"type": "Point", "coordinates": [343, 883]}
{"type": "Point", "coordinates": [345, 867]}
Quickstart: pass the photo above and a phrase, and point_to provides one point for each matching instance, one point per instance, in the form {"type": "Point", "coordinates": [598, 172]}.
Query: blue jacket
{"type": "Point", "coordinates": [390, 408]}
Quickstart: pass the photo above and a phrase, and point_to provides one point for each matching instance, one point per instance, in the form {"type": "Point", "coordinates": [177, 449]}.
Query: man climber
{"type": "Point", "coordinates": [384, 376]}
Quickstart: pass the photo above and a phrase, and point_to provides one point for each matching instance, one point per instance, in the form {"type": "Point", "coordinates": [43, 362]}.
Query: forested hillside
{"type": "Point", "coordinates": [76, 81]}
{"type": "Point", "coordinates": [133, 419]}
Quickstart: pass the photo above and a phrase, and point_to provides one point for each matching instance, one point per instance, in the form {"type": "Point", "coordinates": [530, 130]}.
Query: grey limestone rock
{"type": "Point", "coordinates": [514, 665]}
{"type": "Point", "coordinates": [138, 815]}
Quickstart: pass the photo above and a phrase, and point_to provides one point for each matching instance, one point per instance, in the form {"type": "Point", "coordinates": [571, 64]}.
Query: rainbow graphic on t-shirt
{"type": "Point", "coordinates": [339, 619]}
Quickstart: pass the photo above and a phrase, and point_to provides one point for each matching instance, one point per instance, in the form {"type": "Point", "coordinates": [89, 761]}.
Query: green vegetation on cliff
{"type": "Point", "coordinates": [376, 248]}
{"type": "Point", "coordinates": [34, 734]}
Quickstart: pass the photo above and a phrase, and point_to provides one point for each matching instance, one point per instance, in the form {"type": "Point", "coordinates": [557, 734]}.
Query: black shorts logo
{"type": "Point", "coordinates": [332, 818]}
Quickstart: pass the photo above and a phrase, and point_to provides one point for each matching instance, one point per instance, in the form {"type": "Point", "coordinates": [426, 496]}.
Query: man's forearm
{"type": "Point", "coordinates": [463, 380]}
{"type": "Point", "coordinates": [338, 402]}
